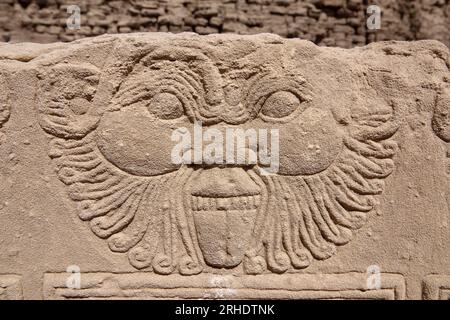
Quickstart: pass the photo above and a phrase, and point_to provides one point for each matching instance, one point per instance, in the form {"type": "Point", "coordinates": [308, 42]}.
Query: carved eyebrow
{"type": "Point", "coordinates": [197, 61]}
{"type": "Point", "coordinates": [263, 85]}
{"type": "Point", "coordinates": [245, 73]}
{"type": "Point", "coordinates": [146, 84]}
{"type": "Point", "coordinates": [192, 75]}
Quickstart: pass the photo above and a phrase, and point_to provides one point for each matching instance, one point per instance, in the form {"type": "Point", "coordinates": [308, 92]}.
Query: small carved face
{"type": "Point", "coordinates": [189, 217]}
{"type": "Point", "coordinates": [441, 116]}
{"type": "Point", "coordinates": [4, 103]}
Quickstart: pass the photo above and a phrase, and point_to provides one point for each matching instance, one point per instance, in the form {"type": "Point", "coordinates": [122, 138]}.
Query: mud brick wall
{"type": "Point", "coordinates": [339, 23]}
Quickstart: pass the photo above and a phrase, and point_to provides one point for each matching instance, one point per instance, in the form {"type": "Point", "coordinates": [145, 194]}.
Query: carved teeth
{"type": "Point", "coordinates": [233, 203]}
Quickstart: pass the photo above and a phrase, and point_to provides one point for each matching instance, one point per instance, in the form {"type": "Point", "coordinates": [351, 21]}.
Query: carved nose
{"type": "Point", "coordinates": [235, 114]}
{"type": "Point", "coordinates": [223, 146]}
{"type": "Point", "coordinates": [233, 110]}
{"type": "Point", "coordinates": [224, 183]}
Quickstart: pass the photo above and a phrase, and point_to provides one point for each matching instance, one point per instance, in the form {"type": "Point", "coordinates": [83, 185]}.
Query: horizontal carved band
{"type": "Point", "coordinates": [287, 286]}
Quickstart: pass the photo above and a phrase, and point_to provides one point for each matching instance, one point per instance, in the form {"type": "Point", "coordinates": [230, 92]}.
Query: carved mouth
{"type": "Point", "coordinates": [199, 203]}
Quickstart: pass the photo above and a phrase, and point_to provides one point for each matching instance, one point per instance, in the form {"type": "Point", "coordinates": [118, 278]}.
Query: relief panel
{"type": "Point", "coordinates": [110, 133]}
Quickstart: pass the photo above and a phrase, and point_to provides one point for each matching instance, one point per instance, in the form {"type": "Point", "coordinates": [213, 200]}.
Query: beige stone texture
{"type": "Point", "coordinates": [358, 209]}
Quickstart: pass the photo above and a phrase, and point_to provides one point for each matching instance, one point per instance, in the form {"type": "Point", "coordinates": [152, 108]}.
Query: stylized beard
{"type": "Point", "coordinates": [225, 217]}
{"type": "Point", "coordinates": [193, 218]}
{"type": "Point", "coordinates": [199, 225]}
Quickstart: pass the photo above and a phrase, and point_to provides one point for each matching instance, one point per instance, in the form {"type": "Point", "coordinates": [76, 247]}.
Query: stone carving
{"type": "Point", "coordinates": [10, 287]}
{"type": "Point", "coordinates": [441, 115]}
{"type": "Point", "coordinates": [4, 103]}
{"type": "Point", "coordinates": [436, 287]}
{"type": "Point", "coordinates": [88, 183]}
{"type": "Point", "coordinates": [300, 286]}
{"type": "Point", "coordinates": [441, 126]}
{"type": "Point", "coordinates": [111, 130]}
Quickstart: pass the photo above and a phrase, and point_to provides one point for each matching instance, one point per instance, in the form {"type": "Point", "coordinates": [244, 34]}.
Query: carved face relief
{"type": "Point", "coordinates": [113, 151]}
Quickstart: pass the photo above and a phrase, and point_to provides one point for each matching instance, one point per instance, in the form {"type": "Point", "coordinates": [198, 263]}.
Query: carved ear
{"type": "Point", "coordinates": [375, 122]}
{"type": "Point", "coordinates": [65, 100]}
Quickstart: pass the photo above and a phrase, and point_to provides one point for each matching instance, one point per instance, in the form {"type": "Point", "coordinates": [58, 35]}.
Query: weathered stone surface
{"type": "Point", "coordinates": [88, 182]}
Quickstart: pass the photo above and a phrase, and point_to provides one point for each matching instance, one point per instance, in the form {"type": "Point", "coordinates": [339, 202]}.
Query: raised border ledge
{"type": "Point", "coordinates": [10, 287]}
{"type": "Point", "coordinates": [436, 287]}
{"type": "Point", "coordinates": [209, 286]}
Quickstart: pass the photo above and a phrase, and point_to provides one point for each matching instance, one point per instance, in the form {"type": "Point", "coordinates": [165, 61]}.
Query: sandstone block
{"type": "Point", "coordinates": [357, 187]}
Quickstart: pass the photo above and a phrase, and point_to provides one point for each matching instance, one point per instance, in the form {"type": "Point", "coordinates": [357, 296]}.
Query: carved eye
{"type": "Point", "coordinates": [165, 106]}
{"type": "Point", "coordinates": [280, 105]}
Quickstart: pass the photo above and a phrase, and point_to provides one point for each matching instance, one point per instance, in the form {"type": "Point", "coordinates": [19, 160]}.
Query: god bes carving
{"type": "Point", "coordinates": [111, 144]}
